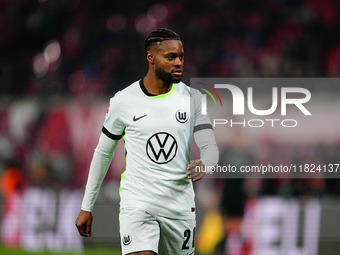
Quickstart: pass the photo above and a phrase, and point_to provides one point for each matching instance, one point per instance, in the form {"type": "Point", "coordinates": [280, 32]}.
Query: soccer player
{"type": "Point", "coordinates": [157, 116]}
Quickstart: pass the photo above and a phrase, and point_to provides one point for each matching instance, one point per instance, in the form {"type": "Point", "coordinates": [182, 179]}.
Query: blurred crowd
{"type": "Point", "coordinates": [93, 47]}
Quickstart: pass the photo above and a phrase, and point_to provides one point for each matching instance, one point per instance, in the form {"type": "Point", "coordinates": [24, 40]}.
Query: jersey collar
{"type": "Point", "coordinates": [169, 93]}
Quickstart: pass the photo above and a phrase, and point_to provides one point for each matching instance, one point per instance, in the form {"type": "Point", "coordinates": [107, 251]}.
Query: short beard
{"type": "Point", "coordinates": [167, 77]}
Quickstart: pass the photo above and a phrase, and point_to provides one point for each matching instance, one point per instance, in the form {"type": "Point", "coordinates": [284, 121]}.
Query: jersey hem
{"type": "Point", "coordinates": [154, 211]}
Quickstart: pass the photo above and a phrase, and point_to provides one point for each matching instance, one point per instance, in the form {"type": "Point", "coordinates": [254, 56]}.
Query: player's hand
{"type": "Point", "coordinates": [84, 222]}
{"type": "Point", "coordinates": [195, 170]}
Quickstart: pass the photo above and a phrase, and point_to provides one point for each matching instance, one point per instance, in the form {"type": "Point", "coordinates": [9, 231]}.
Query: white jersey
{"type": "Point", "coordinates": [158, 133]}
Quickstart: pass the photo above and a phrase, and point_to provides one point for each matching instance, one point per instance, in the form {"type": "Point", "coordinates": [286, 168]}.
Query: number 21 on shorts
{"type": "Point", "coordinates": [187, 234]}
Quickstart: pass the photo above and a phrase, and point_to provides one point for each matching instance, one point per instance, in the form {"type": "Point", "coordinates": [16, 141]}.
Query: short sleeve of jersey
{"type": "Point", "coordinates": [113, 127]}
{"type": "Point", "coordinates": [202, 121]}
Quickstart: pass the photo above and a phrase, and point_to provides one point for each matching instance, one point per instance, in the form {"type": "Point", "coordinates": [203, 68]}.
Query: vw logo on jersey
{"type": "Point", "coordinates": [126, 239]}
{"type": "Point", "coordinates": [182, 116]}
{"type": "Point", "coordinates": [161, 148]}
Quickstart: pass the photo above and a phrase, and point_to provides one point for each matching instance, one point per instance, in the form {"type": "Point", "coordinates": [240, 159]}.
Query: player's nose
{"type": "Point", "coordinates": [178, 62]}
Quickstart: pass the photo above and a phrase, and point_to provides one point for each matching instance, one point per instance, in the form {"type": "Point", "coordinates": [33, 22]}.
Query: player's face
{"type": "Point", "coordinates": [168, 61]}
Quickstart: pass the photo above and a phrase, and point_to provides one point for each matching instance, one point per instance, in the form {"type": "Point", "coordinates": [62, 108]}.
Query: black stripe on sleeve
{"type": "Point", "coordinates": [202, 126]}
{"type": "Point", "coordinates": [109, 135]}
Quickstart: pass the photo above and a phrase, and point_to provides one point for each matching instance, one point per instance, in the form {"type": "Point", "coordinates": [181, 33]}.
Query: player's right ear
{"type": "Point", "coordinates": [150, 57]}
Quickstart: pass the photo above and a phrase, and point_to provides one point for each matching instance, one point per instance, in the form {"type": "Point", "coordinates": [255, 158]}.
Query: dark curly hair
{"type": "Point", "coordinates": [159, 35]}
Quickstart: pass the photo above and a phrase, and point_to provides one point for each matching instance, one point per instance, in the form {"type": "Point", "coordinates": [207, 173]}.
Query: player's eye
{"type": "Point", "coordinates": [170, 57]}
{"type": "Point", "coordinates": [181, 57]}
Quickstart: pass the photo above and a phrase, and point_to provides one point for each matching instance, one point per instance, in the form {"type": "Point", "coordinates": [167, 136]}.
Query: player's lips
{"type": "Point", "coordinates": [177, 72]}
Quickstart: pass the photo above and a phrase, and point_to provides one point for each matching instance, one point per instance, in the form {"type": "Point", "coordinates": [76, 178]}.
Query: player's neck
{"type": "Point", "coordinates": [155, 86]}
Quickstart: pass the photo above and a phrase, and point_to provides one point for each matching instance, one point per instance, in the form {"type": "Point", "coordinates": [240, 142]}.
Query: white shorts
{"type": "Point", "coordinates": [141, 231]}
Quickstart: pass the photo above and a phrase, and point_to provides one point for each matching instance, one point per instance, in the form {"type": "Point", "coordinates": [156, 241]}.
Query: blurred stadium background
{"type": "Point", "coordinates": [61, 61]}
